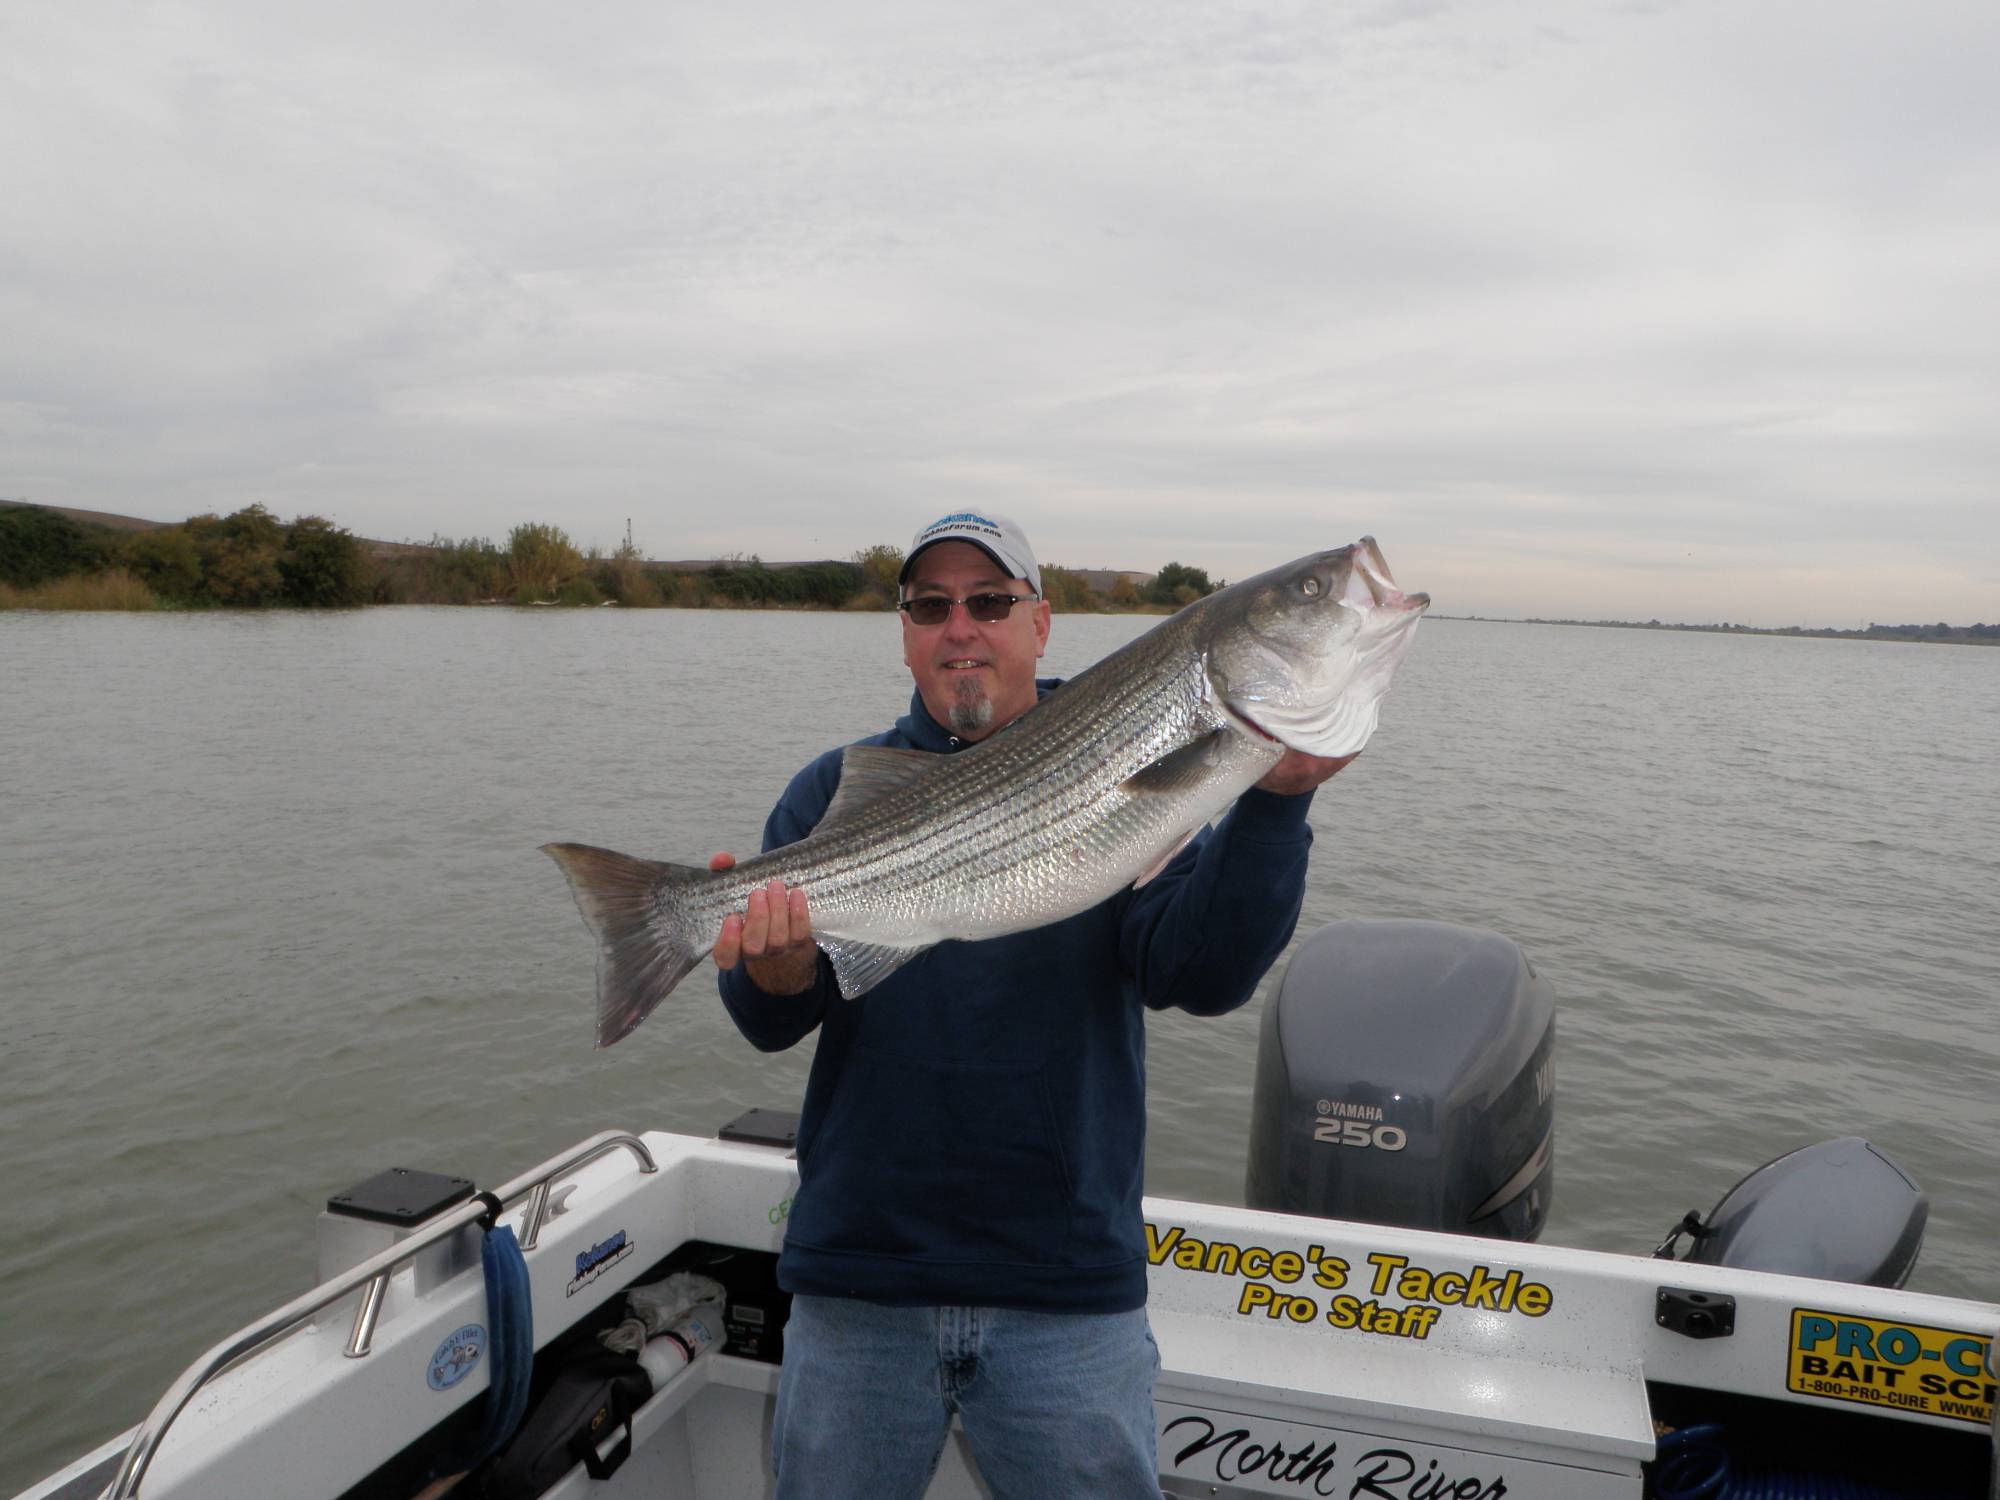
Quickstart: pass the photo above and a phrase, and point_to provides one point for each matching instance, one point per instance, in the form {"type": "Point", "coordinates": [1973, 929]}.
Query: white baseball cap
{"type": "Point", "coordinates": [996, 536]}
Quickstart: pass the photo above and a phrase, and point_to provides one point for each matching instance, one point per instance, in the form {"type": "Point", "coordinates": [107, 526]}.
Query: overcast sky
{"type": "Point", "coordinates": [1688, 311]}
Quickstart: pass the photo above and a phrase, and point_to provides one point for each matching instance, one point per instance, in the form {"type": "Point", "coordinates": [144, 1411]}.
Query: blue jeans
{"type": "Point", "coordinates": [1054, 1405]}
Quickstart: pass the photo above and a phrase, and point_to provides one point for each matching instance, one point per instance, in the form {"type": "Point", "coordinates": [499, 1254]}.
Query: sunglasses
{"type": "Point", "coordinates": [987, 609]}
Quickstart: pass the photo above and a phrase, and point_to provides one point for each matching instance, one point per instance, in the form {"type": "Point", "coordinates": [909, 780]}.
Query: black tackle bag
{"type": "Point", "coordinates": [593, 1396]}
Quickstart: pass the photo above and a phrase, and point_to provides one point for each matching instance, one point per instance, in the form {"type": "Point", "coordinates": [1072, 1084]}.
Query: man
{"type": "Point", "coordinates": [966, 1238]}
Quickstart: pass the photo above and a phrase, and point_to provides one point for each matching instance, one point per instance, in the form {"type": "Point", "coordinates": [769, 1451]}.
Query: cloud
{"type": "Point", "coordinates": [1524, 281]}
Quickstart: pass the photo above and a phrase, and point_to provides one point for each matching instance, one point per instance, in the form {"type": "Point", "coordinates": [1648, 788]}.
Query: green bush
{"type": "Point", "coordinates": [442, 571]}
{"type": "Point", "coordinates": [168, 561]}
{"type": "Point", "coordinates": [1177, 584]}
{"type": "Point", "coordinates": [322, 565]}
{"type": "Point", "coordinates": [540, 559]}
{"type": "Point", "coordinates": [239, 557]}
{"type": "Point", "coordinates": [624, 576]}
{"type": "Point", "coordinates": [37, 544]}
{"type": "Point", "coordinates": [1067, 592]}
{"type": "Point", "coordinates": [881, 572]}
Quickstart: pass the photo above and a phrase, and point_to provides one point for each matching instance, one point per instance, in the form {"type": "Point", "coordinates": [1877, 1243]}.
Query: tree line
{"type": "Point", "coordinates": [245, 560]}
{"type": "Point", "coordinates": [252, 560]}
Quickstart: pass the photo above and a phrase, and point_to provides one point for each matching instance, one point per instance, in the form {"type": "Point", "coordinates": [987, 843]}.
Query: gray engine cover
{"type": "Point", "coordinates": [1405, 1075]}
{"type": "Point", "coordinates": [1840, 1210]}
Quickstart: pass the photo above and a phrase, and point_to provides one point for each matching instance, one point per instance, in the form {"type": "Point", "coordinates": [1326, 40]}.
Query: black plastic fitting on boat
{"type": "Point", "coordinates": [1697, 1315]}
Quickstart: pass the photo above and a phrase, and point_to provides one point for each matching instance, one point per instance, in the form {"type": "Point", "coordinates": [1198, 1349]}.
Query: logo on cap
{"type": "Point", "coordinates": [962, 519]}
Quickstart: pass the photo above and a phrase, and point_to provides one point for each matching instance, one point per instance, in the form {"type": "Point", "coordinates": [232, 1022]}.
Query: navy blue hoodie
{"type": "Point", "coordinates": [974, 1127]}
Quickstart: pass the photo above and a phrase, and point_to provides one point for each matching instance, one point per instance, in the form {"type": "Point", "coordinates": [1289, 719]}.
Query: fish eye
{"type": "Point", "coordinates": [1309, 586]}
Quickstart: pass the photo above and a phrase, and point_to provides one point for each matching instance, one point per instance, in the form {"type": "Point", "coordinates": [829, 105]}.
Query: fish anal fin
{"type": "Point", "coordinates": [861, 966]}
{"type": "Point", "coordinates": [868, 773]}
{"type": "Point", "coordinates": [1167, 858]}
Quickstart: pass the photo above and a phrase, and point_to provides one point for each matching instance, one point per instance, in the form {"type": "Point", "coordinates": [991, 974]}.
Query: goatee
{"type": "Point", "coordinates": [971, 709]}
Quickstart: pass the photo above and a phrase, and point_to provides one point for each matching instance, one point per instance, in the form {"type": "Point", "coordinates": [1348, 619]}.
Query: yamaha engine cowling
{"type": "Point", "coordinates": [1405, 1075]}
{"type": "Point", "coordinates": [1840, 1210]}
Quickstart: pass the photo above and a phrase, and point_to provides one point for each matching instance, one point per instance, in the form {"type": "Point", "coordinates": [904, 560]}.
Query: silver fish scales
{"type": "Point", "coordinates": [1095, 788]}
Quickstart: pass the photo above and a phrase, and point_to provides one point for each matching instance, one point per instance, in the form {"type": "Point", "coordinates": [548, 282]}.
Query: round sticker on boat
{"type": "Point", "coordinates": [456, 1356]}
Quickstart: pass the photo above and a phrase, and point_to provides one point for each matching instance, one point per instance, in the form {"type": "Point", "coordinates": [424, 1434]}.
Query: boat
{"type": "Point", "coordinates": [1380, 1320]}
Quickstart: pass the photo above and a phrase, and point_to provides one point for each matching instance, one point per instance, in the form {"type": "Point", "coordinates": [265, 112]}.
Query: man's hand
{"type": "Point", "coordinates": [1298, 772]}
{"type": "Point", "coordinates": [772, 939]}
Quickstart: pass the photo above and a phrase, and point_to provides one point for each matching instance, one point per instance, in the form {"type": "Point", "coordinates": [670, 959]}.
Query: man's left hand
{"type": "Point", "coordinates": [1298, 772]}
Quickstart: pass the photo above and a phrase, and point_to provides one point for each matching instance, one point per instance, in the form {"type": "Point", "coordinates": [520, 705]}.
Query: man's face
{"type": "Point", "coordinates": [974, 678]}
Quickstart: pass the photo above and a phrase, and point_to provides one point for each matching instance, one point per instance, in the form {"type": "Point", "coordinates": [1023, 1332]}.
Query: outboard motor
{"type": "Point", "coordinates": [1839, 1210]}
{"type": "Point", "coordinates": [1406, 1075]}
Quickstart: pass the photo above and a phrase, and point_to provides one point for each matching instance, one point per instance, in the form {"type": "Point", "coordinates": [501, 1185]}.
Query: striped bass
{"type": "Point", "coordinates": [1095, 788]}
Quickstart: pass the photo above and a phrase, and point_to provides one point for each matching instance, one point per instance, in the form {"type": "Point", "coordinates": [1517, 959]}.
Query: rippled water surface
{"type": "Point", "coordinates": [272, 918]}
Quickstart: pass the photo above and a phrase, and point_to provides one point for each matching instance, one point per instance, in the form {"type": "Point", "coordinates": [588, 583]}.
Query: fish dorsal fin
{"type": "Point", "coordinates": [1168, 858]}
{"type": "Point", "coordinates": [1179, 770]}
{"type": "Point", "coordinates": [861, 966]}
{"type": "Point", "coordinates": [868, 773]}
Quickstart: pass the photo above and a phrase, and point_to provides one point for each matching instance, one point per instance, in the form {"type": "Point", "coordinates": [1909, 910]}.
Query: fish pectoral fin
{"type": "Point", "coordinates": [861, 966]}
{"type": "Point", "coordinates": [868, 773]}
{"type": "Point", "coordinates": [1179, 770]}
{"type": "Point", "coordinates": [1167, 858]}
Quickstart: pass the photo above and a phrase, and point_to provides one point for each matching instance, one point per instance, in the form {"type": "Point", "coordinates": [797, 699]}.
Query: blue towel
{"type": "Point", "coordinates": [510, 1321]}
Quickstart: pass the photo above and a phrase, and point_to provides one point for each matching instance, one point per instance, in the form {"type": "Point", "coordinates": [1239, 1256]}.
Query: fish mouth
{"type": "Point", "coordinates": [1369, 582]}
{"type": "Point", "coordinates": [1244, 721]}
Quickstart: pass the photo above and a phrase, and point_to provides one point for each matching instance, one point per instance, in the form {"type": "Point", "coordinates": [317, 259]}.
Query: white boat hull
{"type": "Point", "coordinates": [1299, 1357]}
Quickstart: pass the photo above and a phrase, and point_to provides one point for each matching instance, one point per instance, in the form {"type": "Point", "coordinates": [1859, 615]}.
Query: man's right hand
{"type": "Point", "coordinates": [772, 939]}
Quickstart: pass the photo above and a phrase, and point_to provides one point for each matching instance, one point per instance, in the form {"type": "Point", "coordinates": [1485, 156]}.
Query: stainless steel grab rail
{"type": "Point", "coordinates": [372, 1274]}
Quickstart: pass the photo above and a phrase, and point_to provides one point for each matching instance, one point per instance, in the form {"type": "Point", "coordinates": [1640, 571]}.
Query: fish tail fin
{"type": "Point", "coordinates": [639, 959]}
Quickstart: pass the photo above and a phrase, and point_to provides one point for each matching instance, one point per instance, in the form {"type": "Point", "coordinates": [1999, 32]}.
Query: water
{"type": "Point", "coordinates": [272, 918]}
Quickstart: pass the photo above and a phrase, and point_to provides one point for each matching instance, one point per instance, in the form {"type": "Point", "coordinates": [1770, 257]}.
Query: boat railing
{"type": "Point", "coordinates": [371, 1279]}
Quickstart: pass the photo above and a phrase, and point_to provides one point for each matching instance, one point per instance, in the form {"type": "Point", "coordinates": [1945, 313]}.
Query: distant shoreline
{"type": "Point", "coordinates": [249, 560]}
{"type": "Point", "coordinates": [1940, 634]}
